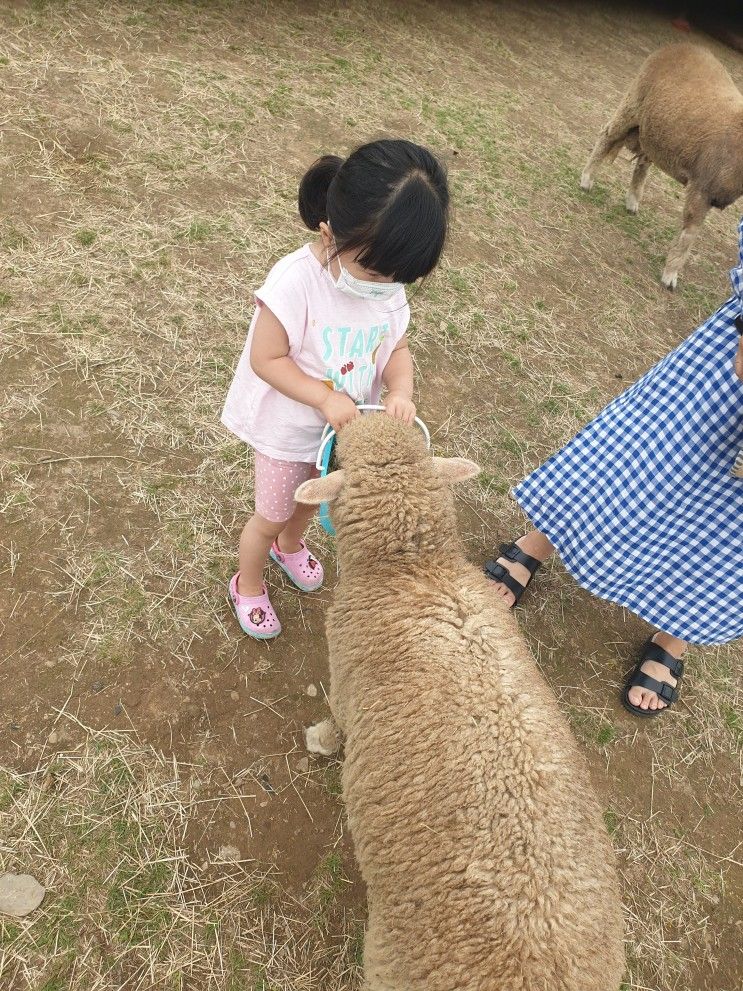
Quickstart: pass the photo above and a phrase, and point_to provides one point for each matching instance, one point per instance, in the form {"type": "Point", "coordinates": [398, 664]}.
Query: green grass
{"type": "Point", "coordinates": [611, 821]}
{"type": "Point", "coordinates": [594, 730]}
{"type": "Point", "coordinates": [734, 724]}
{"type": "Point", "coordinates": [280, 102]}
{"type": "Point", "coordinates": [197, 231]}
{"type": "Point", "coordinates": [263, 894]}
{"type": "Point", "coordinates": [606, 734]}
{"type": "Point", "coordinates": [86, 237]}
{"type": "Point", "coordinates": [491, 483]}
{"type": "Point", "coordinates": [332, 780]}
{"type": "Point", "coordinates": [328, 882]}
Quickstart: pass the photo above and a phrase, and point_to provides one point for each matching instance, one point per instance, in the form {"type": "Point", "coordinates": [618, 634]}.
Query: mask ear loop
{"type": "Point", "coordinates": [336, 256]}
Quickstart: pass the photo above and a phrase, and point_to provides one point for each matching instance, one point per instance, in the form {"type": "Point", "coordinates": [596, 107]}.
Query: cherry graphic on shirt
{"type": "Point", "coordinates": [343, 370]}
{"type": "Point", "coordinates": [349, 366]}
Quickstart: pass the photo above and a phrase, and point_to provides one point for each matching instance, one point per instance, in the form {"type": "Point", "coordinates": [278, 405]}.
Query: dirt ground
{"type": "Point", "coordinates": [149, 160]}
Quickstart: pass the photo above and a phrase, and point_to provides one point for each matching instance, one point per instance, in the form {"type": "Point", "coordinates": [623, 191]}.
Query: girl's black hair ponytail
{"type": "Point", "coordinates": [388, 203]}
{"type": "Point", "coordinates": [313, 190]}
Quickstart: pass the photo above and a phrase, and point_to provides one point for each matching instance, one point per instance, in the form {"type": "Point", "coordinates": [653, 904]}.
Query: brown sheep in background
{"type": "Point", "coordinates": [477, 831]}
{"type": "Point", "coordinates": [684, 114]}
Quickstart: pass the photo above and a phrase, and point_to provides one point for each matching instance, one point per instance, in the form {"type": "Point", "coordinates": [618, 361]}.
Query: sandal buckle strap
{"type": "Point", "coordinates": [499, 573]}
{"type": "Point", "coordinates": [655, 653]}
{"type": "Point", "coordinates": [512, 552]}
{"type": "Point", "coordinates": [495, 570]}
{"type": "Point", "coordinates": [667, 693]}
{"type": "Point", "coordinates": [662, 689]}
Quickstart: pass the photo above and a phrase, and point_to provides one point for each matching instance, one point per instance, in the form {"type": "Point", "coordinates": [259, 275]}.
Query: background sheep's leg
{"type": "Point", "coordinates": [637, 185]}
{"type": "Point", "coordinates": [610, 140]}
{"type": "Point", "coordinates": [696, 209]}
{"type": "Point", "coordinates": [605, 147]}
{"type": "Point", "coordinates": [323, 738]}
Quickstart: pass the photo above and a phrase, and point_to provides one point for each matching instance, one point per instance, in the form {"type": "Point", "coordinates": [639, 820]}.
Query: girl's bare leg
{"type": "Point", "coordinates": [255, 543]}
{"type": "Point", "coordinates": [293, 533]}
{"type": "Point", "coordinates": [256, 540]}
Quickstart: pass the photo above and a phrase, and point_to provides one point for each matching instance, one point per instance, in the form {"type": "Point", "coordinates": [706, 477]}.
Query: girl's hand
{"type": "Point", "coordinates": [338, 409]}
{"type": "Point", "coordinates": [739, 360]}
{"type": "Point", "coordinates": [399, 407]}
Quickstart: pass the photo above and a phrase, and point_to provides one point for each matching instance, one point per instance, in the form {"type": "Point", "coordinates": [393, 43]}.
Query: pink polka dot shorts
{"type": "Point", "coordinates": [275, 485]}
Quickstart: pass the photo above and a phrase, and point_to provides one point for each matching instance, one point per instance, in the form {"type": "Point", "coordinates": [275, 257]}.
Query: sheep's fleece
{"type": "Point", "coordinates": [486, 861]}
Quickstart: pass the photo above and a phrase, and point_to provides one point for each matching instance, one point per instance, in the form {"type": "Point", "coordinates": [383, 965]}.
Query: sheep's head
{"type": "Point", "coordinates": [389, 497]}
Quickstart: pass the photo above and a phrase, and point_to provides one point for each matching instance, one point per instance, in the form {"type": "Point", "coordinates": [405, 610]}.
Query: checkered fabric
{"type": "Point", "coordinates": [641, 504]}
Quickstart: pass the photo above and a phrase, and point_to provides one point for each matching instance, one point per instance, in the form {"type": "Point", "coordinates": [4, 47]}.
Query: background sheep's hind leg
{"type": "Point", "coordinates": [637, 185]}
{"type": "Point", "coordinates": [610, 140]}
{"type": "Point", "coordinates": [696, 208]}
{"type": "Point", "coordinates": [323, 738]}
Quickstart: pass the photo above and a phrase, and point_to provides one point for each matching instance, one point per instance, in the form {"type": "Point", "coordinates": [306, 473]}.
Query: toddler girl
{"type": "Point", "coordinates": [327, 333]}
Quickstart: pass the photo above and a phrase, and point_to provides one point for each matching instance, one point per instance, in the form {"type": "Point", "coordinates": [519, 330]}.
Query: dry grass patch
{"type": "Point", "coordinates": [103, 827]}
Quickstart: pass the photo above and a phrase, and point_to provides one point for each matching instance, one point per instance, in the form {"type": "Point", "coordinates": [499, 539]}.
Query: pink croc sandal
{"type": "Point", "coordinates": [304, 570]}
{"type": "Point", "coordinates": [255, 614]}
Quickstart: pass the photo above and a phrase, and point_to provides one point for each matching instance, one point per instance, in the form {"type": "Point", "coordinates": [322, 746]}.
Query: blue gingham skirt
{"type": "Point", "coordinates": [641, 505]}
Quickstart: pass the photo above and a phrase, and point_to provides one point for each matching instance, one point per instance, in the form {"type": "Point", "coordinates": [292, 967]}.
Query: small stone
{"type": "Point", "coordinates": [49, 664]}
{"type": "Point", "coordinates": [53, 736]}
{"type": "Point", "coordinates": [20, 894]}
{"type": "Point", "coordinates": [228, 852]}
{"type": "Point", "coordinates": [303, 765]}
{"type": "Point", "coordinates": [96, 687]}
{"type": "Point", "coordinates": [118, 709]}
{"type": "Point", "coordinates": [311, 691]}
{"type": "Point", "coordinates": [14, 727]}
{"type": "Point", "coordinates": [265, 784]}
{"type": "Point", "coordinates": [235, 696]}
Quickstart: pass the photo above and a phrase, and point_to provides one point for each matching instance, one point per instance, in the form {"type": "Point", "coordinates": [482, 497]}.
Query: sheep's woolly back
{"type": "Point", "coordinates": [474, 821]}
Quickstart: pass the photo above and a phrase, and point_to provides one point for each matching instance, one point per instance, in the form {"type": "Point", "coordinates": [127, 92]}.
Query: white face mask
{"type": "Point", "coordinates": [360, 288]}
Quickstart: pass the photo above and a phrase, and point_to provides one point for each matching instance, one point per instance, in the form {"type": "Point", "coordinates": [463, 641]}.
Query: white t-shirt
{"type": "Point", "coordinates": [342, 340]}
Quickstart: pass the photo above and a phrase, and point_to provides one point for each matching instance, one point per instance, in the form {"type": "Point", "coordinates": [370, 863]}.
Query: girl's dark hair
{"type": "Point", "coordinates": [388, 201]}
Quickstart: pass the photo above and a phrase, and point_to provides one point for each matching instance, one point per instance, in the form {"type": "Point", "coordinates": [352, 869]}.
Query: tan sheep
{"type": "Point", "coordinates": [475, 825]}
{"type": "Point", "coordinates": [684, 114]}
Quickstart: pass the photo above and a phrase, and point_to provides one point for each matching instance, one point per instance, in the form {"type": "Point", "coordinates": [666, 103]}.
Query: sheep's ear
{"type": "Point", "coordinates": [453, 470]}
{"type": "Point", "coordinates": [318, 490]}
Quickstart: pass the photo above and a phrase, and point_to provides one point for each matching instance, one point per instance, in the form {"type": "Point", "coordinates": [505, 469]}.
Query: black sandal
{"type": "Point", "coordinates": [638, 679]}
{"type": "Point", "coordinates": [499, 573]}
